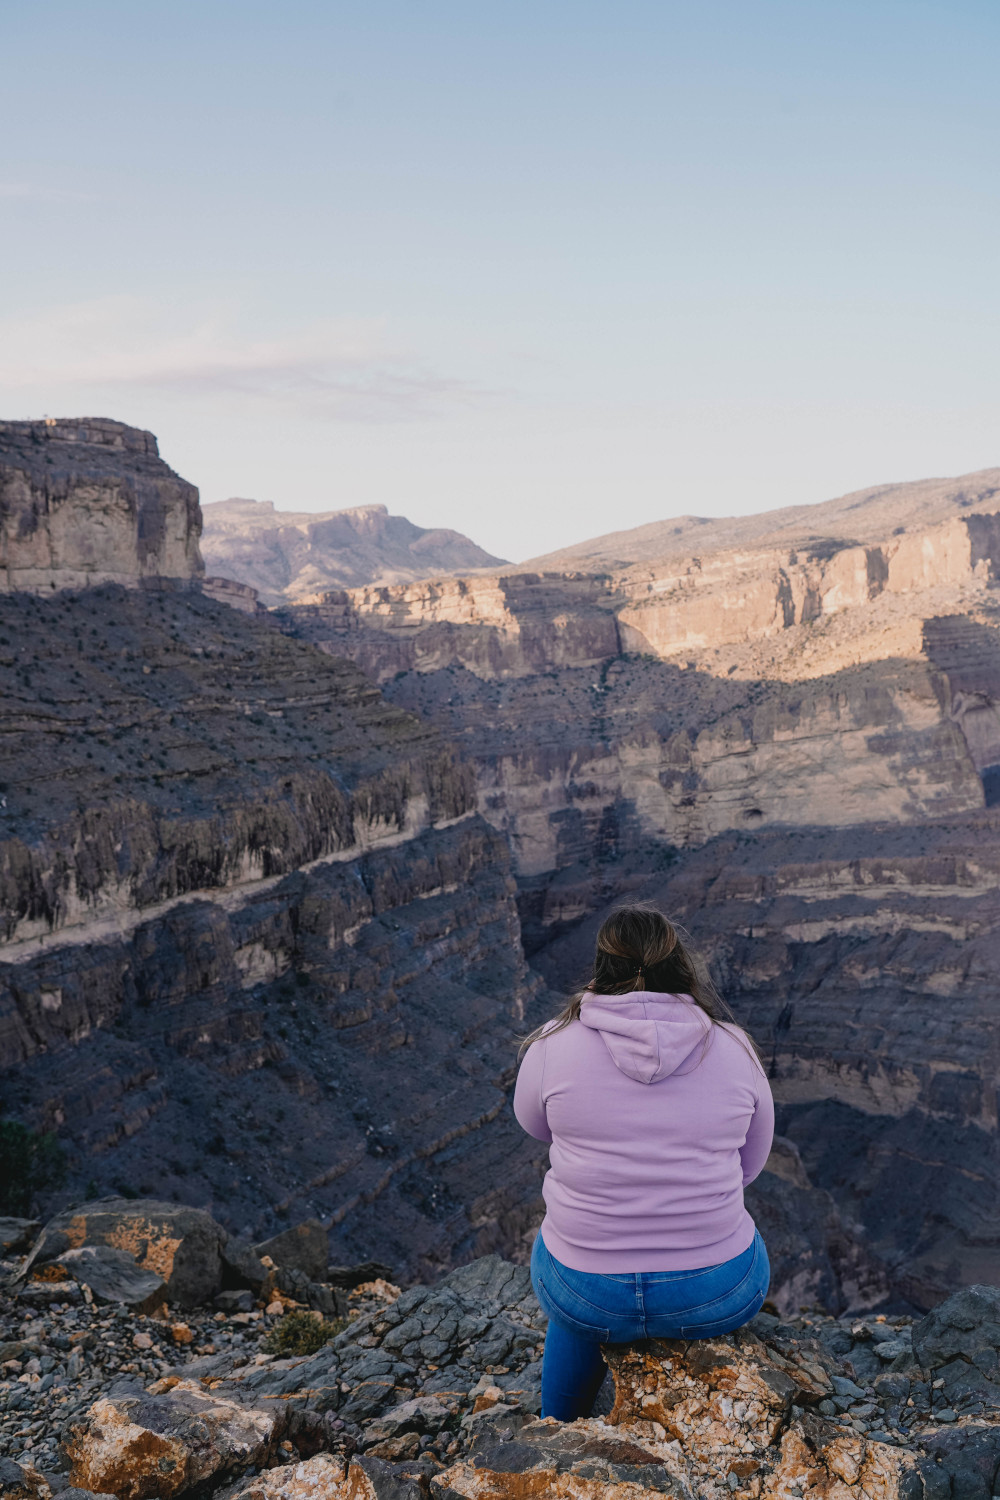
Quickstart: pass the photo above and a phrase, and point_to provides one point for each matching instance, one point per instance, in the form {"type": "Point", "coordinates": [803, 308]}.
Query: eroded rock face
{"type": "Point", "coordinates": [151, 1447]}
{"type": "Point", "coordinates": [90, 501]}
{"type": "Point", "coordinates": [260, 952]}
{"type": "Point", "coordinates": [286, 555]}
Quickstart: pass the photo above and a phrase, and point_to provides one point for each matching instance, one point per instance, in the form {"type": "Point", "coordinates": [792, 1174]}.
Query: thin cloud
{"type": "Point", "coordinates": [38, 193]}
{"type": "Point", "coordinates": [341, 370]}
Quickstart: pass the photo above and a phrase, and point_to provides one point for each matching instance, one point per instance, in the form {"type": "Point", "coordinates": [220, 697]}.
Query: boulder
{"type": "Point", "coordinates": [114, 1276]}
{"type": "Point", "coordinates": [584, 1460]}
{"type": "Point", "coordinates": [22, 1482]}
{"type": "Point", "coordinates": [424, 1414]}
{"type": "Point", "coordinates": [242, 1266]}
{"type": "Point", "coordinates": [371, 1478]}
{"type": "Point", "coordinates": [318, 1478]}
{"type": "Point", "coordinates": [141, 1446]}
{"type": "Point", "coordinates": [183, 1246]}
{"type": "Point", "coordinates": [304, 1247]}
{"type": "Point", "coordinates": [17, 1234]}
{"type": "Point", "coordinates": [967, 1322]}
{"type": "Point", "coordinates": [346, 1278]}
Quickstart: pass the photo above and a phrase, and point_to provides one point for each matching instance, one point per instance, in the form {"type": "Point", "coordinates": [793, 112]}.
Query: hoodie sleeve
{"type": "Point", "coordinates": [760, 1132]}
{"type": "Point", "coordinates": [528, 1106]}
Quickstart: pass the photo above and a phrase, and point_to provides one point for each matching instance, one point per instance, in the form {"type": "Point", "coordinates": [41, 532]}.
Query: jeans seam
{"type": "Point", "coordinates": [724, 1296]}
{"type": "Point", "coordinates": [553, 1266]}
{"type": "Point", "coordinates": [640, 1304]}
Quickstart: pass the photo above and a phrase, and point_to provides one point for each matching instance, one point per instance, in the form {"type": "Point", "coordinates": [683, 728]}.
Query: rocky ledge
{"type": "Point", "coordinates": [434, 1391]}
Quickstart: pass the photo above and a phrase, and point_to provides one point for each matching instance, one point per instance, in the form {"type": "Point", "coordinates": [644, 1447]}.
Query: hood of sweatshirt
{"type": "Point", "coordinates": [649, 1035]}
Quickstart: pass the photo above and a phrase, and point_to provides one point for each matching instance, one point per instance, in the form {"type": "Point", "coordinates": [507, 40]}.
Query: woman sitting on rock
{"type": "Point", "coordinates": [658, 1114]}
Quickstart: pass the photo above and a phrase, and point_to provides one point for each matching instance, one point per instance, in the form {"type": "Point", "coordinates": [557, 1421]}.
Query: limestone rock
{"type": "Point", "coordinates": [967, 1324]}
{"type": "Point", "coordinates": [319, 1478]}
{"type": "Point", "coordinates": [90, 501]}
{"type": "Point", "coordinates": [303, 1247]}
{"type": "Point", "coordinates": [584, 1460]}
{"type": "Point", "coordinates": [151, 1447]}
{"type": "Point", "coordinates": [179, 1245]}
{"type": "Point", "coordinates": [22, 1482]}
{"type": "Point", "coordinates": [17, 1234]}
{"type": "Point", "coordinates": [113, 1276]}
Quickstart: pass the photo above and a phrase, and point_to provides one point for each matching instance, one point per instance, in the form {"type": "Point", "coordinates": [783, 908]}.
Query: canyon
{"type": "Point", "coordinates": [281, 888]}
{"type": "Point", "coordinates": [790, 741]}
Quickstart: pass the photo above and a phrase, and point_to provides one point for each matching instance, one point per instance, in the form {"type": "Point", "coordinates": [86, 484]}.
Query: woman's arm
{"type": "Point", "coordinates": [528, 1105]}
{"type": "Point", "coordinates": [760, 1132]}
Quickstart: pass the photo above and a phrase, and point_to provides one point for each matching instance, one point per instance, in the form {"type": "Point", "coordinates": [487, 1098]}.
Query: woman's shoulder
{"type": "Point", "coordinates": [737, 1048]}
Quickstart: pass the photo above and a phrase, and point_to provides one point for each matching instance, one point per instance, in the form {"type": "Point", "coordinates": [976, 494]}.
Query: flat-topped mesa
{"type": "Point", "coordinates": [90, 501]}
{"type": "Point", "coordinates": [295, 556]}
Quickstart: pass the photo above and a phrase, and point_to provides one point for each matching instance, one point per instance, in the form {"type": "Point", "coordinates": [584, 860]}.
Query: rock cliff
{"type": "Point", "coordinates": [90, 501]}
{"type": "Point", "coordinates": [288, 555]}
{"type": "Point", "coordinates": [259, 950]}
{"type": "Point", "coordinates": [795, 749]}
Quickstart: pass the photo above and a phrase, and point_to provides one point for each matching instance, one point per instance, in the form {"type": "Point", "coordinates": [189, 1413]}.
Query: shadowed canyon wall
{"type": "Point", "coordinates": [258, 950]}
{"type": "Point", "coordinates": [264, 878]}
{"type": "Point", "coordinates": [795, 751]}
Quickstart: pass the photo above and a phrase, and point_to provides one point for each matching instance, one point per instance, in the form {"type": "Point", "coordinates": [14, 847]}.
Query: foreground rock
{"type": "Point", "coordinates": [139, 1447]}
{"type": "Point", "coordinates": [435, 1393]}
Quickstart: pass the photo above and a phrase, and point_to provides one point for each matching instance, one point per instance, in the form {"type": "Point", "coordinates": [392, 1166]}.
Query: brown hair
{"type": "Point", "coordinates": [639, 949]}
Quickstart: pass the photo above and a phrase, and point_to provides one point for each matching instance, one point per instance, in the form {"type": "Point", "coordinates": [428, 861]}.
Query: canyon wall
{"type": "Point", "coordinates": [90, 501]}
{"type": "Point", "coordinates": [796, 752]}
{"type": "Point", "coordinates": [259, 951]}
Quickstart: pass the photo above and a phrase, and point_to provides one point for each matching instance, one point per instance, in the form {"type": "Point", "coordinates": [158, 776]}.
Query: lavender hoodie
{"type": "Point", "coordinates": [657, 1120]}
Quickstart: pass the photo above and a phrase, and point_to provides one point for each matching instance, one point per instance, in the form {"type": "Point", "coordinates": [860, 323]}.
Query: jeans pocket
{"type": "Point", "coordinates": [556, 1313]}
{"type": "Point", "coordinates": [736, 1319]}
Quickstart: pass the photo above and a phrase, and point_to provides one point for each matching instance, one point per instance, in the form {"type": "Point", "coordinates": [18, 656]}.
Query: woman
{"type": "Point", "coordinates": [658, 1114]}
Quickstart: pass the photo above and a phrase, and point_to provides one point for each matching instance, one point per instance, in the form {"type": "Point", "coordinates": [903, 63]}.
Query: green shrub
{"type": "Point", "coordinates": [300, 1332]}
{"type": "Point", "coordinates": [29, 1164]}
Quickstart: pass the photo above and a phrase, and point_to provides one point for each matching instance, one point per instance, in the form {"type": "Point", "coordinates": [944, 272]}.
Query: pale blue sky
{"type": "Point", "coordinates": [533, 271]}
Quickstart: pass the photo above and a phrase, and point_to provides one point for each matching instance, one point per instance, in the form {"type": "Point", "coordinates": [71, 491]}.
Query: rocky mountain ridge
{"type": "Point", "coordinates": [289, 556]}
{"type": "Point", "coordinates": [263, 931]}
{"type": "Point", "coordinates": [864, 516]}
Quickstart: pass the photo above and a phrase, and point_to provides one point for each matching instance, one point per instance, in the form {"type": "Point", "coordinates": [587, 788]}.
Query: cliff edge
{"type": "Point", "coordinates": [86, 501]}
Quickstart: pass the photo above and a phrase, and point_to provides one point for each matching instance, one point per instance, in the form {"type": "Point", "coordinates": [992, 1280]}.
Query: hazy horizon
{"type": "Point", "coordinates": [532, 275]}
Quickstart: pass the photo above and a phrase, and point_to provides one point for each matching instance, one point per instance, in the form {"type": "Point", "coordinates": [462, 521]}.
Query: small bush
{"type": "Point", "coordinates": [29, 1164]}
{"type": "Point", "coordinates": [301, 1332]}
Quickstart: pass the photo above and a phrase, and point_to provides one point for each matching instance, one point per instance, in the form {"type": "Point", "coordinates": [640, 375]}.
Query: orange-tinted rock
{"type": "Point", "coordinates": [151, 1447]}
{"type": "Point", "coordinates": [319, 1478]}
{"type": "Point", "coordinates": [180, 1245]}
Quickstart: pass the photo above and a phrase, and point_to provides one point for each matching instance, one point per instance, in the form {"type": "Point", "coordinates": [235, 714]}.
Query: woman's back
{"type": "Point", "coordinates": [657, 1118]}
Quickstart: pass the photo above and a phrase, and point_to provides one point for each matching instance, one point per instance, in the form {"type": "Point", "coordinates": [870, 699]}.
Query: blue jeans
{"type": "Point", "coordinates": [586, 1310]}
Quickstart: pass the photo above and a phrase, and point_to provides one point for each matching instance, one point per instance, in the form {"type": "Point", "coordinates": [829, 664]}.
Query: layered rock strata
{"type": "Point", "coordinates": [288, 555]}
{"type": "Point", "coordinates": [794, 750]}
{"type": "Point", "coordinates": [90, 501]}
{"type": "Point", "coordinates": [260, 950]}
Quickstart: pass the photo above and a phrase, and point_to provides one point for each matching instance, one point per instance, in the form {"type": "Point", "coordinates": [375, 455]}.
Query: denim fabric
{"type": "Point", "coordinates": [586, 1310]}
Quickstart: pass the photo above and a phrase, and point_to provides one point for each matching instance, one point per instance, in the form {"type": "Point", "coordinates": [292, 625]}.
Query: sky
{"type": "Point", "coordinates": [534, 271]}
